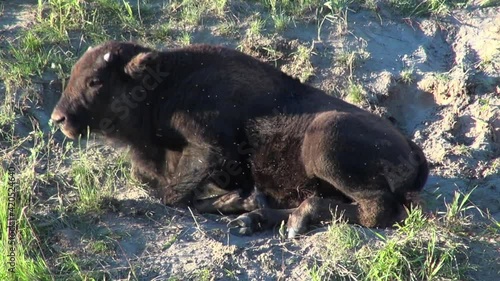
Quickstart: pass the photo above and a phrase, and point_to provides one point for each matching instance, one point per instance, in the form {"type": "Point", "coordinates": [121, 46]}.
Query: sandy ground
{"type": "Point", "coordinates": [454, 117]}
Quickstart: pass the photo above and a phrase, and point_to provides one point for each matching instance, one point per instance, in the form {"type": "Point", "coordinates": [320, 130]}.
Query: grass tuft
{"type": "Point", "coordinates": [355, 93]}
{"type": "Point", "coordinates": [21, 257]}
{"type": "Point", "coordinates": [420, 248]}
{"type": "Point", "coordinates": [407, 75]}
{"type": "Point", "coordinates": [426, 7]}
{"type": "Point", "coordinates": [256, 27]}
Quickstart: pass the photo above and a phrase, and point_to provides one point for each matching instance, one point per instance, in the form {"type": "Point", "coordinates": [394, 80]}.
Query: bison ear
{"type": "Point", "coordinates": [137, 66]}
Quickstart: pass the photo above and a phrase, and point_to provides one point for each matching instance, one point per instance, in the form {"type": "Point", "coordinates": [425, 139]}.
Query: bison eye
{"type": "Point", "coordinates": [94, 82]}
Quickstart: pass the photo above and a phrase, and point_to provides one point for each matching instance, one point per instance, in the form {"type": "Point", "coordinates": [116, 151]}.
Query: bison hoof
{"type": "Point", "coordinates": [241, 221]}
{"type": "Point", "coordinates": [292, 233]}
{"type": "Point", "coordinates": [241, 231]}
{"type": "Point", "coordinates": [297, 224]}
{"type": "Point", "coordinates": [242, 225]}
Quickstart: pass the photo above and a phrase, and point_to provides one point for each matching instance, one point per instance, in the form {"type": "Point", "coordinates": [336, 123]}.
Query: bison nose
{"type": "Point", "coordinates": [57, 117]}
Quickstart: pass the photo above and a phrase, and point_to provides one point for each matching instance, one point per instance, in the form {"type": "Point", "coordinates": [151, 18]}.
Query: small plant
{"type": "Point", "coordinates": [94, 178]}
{"type": "Point", "coordinates": [7, 117]}
{"type": "Point", "coordinates": [129, 18]}
{"type": "Point", "coordinates": [301, 63]}
{"type": "Point", "coordinates": [443, 77]}
{"type": "Point", "coordinates": [355, 93]}
{"type": "Point", "coordinates": [185, 38]}
{"type": "Point", "coordinates": [419, 249]}
{"type": "Point", "coordinates": [218, 6]}
{"type": "Point", "coordinates": [455, 218]}
{"type": "Point", "coordinates": [70, 265]}
{"type": "Point", "coordinates": [494, 227]}
{"type": "Point", "coordinates": [62, 14]}
{"type": "Point", "coordinates": [291, 8]}
{"type": "Point", "coordinates": [489, 58]}
{"type": "Point", "coordinates": [192, 12]}
{"type": "Point", "coordinates": [407, 75]}
{"type": "Point", "coordinates": [350, 59]}
{"type": "Point", "coordinates": [344, 236]}
{"type": "Point", "coordinates": [101, 247]}
{"type": "Point", "coordinates": [413, 223]}
{"type": "Point", "coordinates": [336, 13]}
{"type": "Point", "coordinates": [169, 243]}
{"type": "Point", "coordinates": [370, 4]}
{"type": "Point", "coordinates": [463, 150]}
{"type": "Point", "coordinates": [425, 7]}
{"type": "Point", "coordinates": [21, 257]}
{"type": "Point", "coordinates": [256, 27]}
{"type": "Point", "coordinates": [162, 31]}
{"type": "Point", "coordinates": [227, 28]}
{"type": "Point", "coordinates": [203, 275]}
{"type": "Point", "coordinates": [281, 21]}
{"type": "Point", "coordinates": [279, 17]}
{"type": "Point", "coordinates": [315, 273]}
{"type": "Point", "coordinates": [489, 3]}
{"type": "Point", "coordinates": [494, 168]}
{"type": "Point", "coordinates": [338, 259]}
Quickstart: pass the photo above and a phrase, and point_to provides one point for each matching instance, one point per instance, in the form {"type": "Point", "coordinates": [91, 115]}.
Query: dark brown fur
{"type": "Point", "coordinates": [221, 130]}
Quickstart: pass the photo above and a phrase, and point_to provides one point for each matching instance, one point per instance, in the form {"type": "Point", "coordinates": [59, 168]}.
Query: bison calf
{"type": "Point", "coordinates": [226, 133]}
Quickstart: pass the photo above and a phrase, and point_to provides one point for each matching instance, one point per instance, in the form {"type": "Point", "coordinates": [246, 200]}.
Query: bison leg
{"type": "Point", "coordinates": [312, 211]}
{"type": "Point", "coordinates": [259, 219]}
{"type": "Point", "coordinates": [228, 202]}
{"type": "Point", "coordinates": [189, 172]}
{"type": "Point", "coordinates": [379, 210]}
{"type": "Point", "coordinates": [315, 210]}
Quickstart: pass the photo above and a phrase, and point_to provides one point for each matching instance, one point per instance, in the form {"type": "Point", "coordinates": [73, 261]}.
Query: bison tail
{"type": "Point", "coordinates": [411, 195]}
{"type": "Point", "coordinates": [423, 168]}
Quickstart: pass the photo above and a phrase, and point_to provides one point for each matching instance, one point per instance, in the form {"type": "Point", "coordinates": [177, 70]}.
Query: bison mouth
{"type": "Point", "coordinates": [70, 128]}
{"type": "Point", "coordinates": [73, 132]}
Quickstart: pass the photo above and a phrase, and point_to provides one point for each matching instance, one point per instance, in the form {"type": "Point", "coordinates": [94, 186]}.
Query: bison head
{"type": "Point", "coordinates": [104, 86]}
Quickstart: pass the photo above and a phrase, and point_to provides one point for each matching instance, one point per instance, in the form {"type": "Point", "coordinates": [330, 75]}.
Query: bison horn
{"type": "Point", "coordinates": [107, 56]}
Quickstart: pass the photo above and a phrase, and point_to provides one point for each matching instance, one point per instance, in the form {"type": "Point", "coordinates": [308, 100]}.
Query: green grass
{"type": "Point", "coordinates": [419, 249]}
{"type": "Point", "coordinates": [256, 27]}
{"type": "Point", "coordinates": [426, 7]}
{"type": "Point", "coordinates": [455, 217]}
{"type": "Point", "coordinates": [355, 93]}
{"type": "Point", "coordinates": [336, 12]}
{"type": "Point", "coordinates": [203, 275]}
{"type": "Point", "coordinates": [70, 267]}
{"type": "Point", "coordinates": [192, 12]}
{"type": "Point", "coordinates": [489, 3]}
{"type": "Point", "coordinates": [185, 38]}
{"type": "Point", "coordinates": [94, 178]}
{"type": "Point", "coordinates": [102, 247]}
{"type": "Point", "coordinates": [280, 18]}
{"type": "Point", "coordinates": [351, 58]}
{"type": "Point", "coordinates": [407, 75]}
{"type": "Point", "coordinates": [46, 45]}
{"type": "Point", "coordinates": [26, 57]}
{"type": "Point", "coordinates": [170, 242]}
{"type": "Point", "coordinates": [29, 263]}
{"type": "Point", "coordinates": [162, 31]}
{"type": "Point", "coordinates": [301, 64]}
{"type": "Point", "coordinates": [7, 117]}
{"type": "Point", "coordinates": [293, 8]}
{"type": "Point", "coordinates": [228, 28]}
